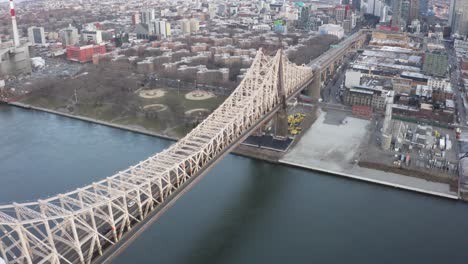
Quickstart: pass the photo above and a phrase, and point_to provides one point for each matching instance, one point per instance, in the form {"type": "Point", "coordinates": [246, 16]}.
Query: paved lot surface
{"type": "Point", "coordinates": [333, 143]}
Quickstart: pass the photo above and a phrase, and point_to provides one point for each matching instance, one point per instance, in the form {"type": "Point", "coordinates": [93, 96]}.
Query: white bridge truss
{"type": "Point", "coordinates": [77, 227]}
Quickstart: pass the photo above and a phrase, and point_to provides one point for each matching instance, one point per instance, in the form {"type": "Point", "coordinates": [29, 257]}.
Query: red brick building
{"type": "Point", "coordinates": [84, 53]}
{"type": "Point", "coordinates": [464, 67]}
{"type": "Point", "coordinates": [464, 64]}
{"type": "Point", "coordinates": [362, 111]}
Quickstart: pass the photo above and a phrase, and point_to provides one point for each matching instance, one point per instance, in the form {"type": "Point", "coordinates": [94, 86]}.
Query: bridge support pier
{"type": "Point", "coordinates": [314, 87]}
{"type": "Point", "coordinates": [281, 124]}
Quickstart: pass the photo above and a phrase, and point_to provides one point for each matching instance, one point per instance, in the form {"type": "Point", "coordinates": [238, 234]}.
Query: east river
{"type": "Point", "coordinates": [243, 211]}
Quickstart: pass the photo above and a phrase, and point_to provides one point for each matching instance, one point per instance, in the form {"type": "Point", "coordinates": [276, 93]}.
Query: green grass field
{"type": "Point", "coordinates": [169, 125]}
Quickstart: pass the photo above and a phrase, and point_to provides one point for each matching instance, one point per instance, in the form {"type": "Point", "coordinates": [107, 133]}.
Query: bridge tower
{"type": "Point", "coordinates": [281, 118]}
{"type": "Point", "coordinates": [314, 87]}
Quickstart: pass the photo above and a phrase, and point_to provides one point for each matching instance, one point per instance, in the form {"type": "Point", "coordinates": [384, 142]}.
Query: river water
{"type": "Point", "coordinates": [243, 211]}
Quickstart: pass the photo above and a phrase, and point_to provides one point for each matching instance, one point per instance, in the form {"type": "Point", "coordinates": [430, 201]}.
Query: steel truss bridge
{"type": "Point", "coordinates": [80, 226]}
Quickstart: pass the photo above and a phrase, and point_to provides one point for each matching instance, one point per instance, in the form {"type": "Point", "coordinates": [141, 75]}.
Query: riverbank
{"type": "Point", "coordinates": [95, 121]}
{"type": "Point", "coordinates": [241, 150]}
{"type": "Point", "coordinates": [294, 159]}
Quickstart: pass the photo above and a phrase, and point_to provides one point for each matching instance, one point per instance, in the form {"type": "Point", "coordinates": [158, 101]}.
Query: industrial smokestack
{"type": "Point", "coordinates": [13, 23]}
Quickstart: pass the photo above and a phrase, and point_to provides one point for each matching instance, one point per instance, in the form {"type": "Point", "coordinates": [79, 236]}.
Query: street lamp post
{"type": "Point", "coordinates": [178, 87]}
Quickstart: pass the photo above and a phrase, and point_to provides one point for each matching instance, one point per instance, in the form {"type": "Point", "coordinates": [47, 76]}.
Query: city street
{"type": "Point", "coordinates": [331, 92]}
{"type": "Point", "coordinates": [459, 93]}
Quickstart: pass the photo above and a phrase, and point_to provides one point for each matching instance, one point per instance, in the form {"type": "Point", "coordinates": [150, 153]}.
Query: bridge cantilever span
{"type": "Point", "coordinates": [78, 226]}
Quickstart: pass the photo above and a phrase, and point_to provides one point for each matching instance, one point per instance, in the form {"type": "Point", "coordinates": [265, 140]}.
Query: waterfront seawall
{"type": "Point", "coordinates": [369, 180]}
{"type": "Point", "coordinates": [245, 151]}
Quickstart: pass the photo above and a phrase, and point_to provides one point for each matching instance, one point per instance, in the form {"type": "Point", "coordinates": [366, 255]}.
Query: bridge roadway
{"type": "Point", "coordinates": [330, 56]}
{"type": "Point", "coordinates": [94, 223]}
{"type": "Point", "coordinates": [326, 64]}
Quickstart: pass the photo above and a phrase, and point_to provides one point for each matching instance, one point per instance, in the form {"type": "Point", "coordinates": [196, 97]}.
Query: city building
{"type": "Point", "coordinates": [14, 60]}
{"type": "Point", "coordinates": [194, 25]}
{"type": "Point", "coordinates": [69, 36]}
{"type": "Point", "coordinates": [384, 18]}
{"type": "Point", "coordinates": [397, 12]}
{"type": "Point", "coordinates": [189, 25]}
{"type": "Point", "coordinates": [84, 53]}
{"type": "Point", "coordinates": [160, 28]}
{"type": "Point", "coordinates": [352, 78]}
{"type": "Point", "coordinates": [405, 11]}
{"type": "Point", "coordinates": [435, 63]}
{"type": "Point", "coordinates": [340, 13]}
{"type": "Point", "coordinates": [458, 17]}
{"type": "Point", "coordinates": [212, 9]}
{"type": "Point", "coordinates": [91, 36]}
{"type": "Point", "coordinates": [347, 25]}
{"type": "Point", "coordinates": [414, 10]}
{"type": "Point", "coordinates": [136, 19]}
{"type": "Point", "coordinates": [423, 7]}
{"type": "Point", "coordinates": [36, 35]}
{"type": "Point", "coordinates": [357, 5]}
{"type": "Point", "coordinates": [375, 7]}
{"type": "Point", "coordinates": [331, 29]}
{"type": "Point", "coordinates": [146, 16]}
{"type": "Point", "coordinates": [415, 27]}
{"type": "Point", "coordinates": [185, 26]}
{"type": "Point", "coordinates": [438, 83]}
{"type": "Point", "coordinates": [374, 97]}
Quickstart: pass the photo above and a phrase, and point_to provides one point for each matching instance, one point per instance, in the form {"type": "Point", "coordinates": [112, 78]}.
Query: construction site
{"type": "Point", "coordinates": [415, 150]}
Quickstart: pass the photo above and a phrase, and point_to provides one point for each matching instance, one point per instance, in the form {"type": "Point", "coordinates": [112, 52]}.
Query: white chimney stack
{"type": "Point", "coordinates": [16, 40]}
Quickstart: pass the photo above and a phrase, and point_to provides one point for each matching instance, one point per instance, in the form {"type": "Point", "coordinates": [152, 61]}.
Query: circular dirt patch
{"type": "Point", "coordinates": [152, 94]}
{"type": "Point", "coordinates": [197, 111]}
{"type": "Point", "coordinates": [155, 107]}
{"type": "Point", "coordinates": [199, 95]}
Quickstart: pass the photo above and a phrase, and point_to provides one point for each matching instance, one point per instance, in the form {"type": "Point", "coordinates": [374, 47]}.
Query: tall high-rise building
{"type": "Point", "coordinates": [396, 18]}
{"type": "Point", "coordinates": [146, 16]}
{"type": "Point", "coordinates": [405, 10]}
{"type": "Point", "coordinates": [136, 19]}
{"type": "Point", "coordinates": [458, 17]}
{"type": "Point", "coordinates": [36, 35]}
{"type": "Point", "coordinates": [345, 2]}
{"type": "Point", "coordinates": [91, 36]}
{"type": "Point", "coordinates": [357, 5]}
{"type": "Point", "coordinates": [189, 25]}
{"type": "Point", "coordinates": [340, 13]}
{"type": "Point", "coordinates": [451, 12]}
{"type": "Point", "coordinates": [304, 17]}
{"type": "Point", "coordinates": [374, 7]}
{"type": "Point", "coordinates": [69, 36]}
{"type": "Point", "coordinates": [160, 28]}
{"type": "Point", "coordinates": [414, 10]}
{"type": "Point", "coordinates": [212, 9]}
{"type": "Point", "coordinates": [370, 8]}
{"type": "Point", "coordinates": [384, 15]}
{"type": "Point", "coordinates": [423, 7]}
{"type": "Point", "coordinates": [185, 26]}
